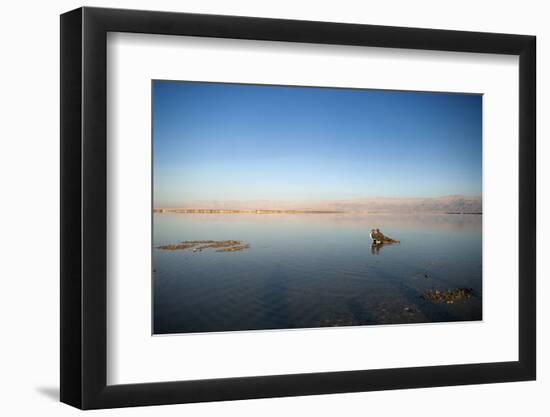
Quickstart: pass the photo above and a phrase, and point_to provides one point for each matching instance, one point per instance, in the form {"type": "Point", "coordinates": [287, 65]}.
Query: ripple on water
{"type": "Point", "coordinates": [312, 274]}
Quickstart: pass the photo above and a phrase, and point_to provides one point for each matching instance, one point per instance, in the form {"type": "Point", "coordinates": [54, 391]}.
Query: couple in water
{"type": "Point", "coordinates": [378, 238]}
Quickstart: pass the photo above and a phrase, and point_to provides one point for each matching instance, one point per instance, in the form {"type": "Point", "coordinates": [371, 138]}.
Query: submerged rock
{"type": "Point", "coordinates": [199, 245]}
{"type": "Point", "coordinates": [449, 296]}
{"type": "Point", "coordinates": [234, 248]}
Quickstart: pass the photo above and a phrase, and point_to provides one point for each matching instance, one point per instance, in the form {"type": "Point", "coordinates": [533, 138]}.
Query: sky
{"type": "Point", "coordinates": [226, 142]}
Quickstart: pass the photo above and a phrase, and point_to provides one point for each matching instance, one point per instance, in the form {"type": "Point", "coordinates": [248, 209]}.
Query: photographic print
{"type": "Point", "coordinates": [291, 207]}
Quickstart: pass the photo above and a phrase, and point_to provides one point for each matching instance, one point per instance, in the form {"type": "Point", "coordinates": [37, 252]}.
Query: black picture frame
{"type": "Point", "coordinates": [84, 207]}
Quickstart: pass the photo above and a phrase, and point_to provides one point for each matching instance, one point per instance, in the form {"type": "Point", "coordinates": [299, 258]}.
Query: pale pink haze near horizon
{"type": "Point", "coordinates": [450, 203]}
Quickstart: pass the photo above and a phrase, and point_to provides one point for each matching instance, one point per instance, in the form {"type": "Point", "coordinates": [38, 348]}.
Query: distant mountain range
{"type": "Point", "coordinates": [444, 204]}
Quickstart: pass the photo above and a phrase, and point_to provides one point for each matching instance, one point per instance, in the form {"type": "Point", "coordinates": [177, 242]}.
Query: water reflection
{"type": "Point", "coordinates": [313, 271]}
{"type": "Point", "coordinates": [375, 247]}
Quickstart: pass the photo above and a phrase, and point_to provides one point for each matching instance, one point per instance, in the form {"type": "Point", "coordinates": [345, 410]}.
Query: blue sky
{"type": "Point", "coordinates": [216, 141]}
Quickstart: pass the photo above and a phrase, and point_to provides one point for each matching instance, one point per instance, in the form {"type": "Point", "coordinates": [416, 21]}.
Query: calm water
{"type": "Point", "coordinates": [313, 270]}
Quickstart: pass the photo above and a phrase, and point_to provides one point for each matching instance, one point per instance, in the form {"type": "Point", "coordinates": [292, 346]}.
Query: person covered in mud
{"type": "Point", "coordinates": [380, 238]}
{"type": "Point", "coordinates": [372, 235]}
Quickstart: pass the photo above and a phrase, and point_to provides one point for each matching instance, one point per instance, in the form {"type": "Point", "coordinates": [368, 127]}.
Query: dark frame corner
{"type": "Point", "coordinates": [83, 207]}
